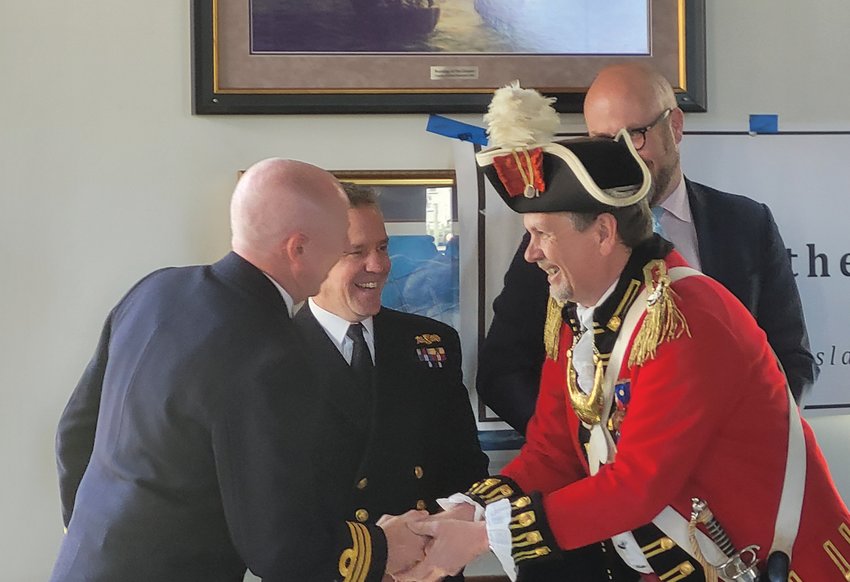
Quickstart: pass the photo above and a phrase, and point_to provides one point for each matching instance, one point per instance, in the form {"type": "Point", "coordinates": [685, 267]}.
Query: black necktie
{"type": "Point", "coordinates": [361, 359]}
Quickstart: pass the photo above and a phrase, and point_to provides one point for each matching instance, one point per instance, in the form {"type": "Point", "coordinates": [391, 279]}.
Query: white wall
{"type": "Point", "coordinates": [106, 175]}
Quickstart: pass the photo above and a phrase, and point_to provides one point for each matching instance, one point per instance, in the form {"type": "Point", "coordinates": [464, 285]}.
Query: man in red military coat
{"type": "Point", "coordinates": [665, 433]}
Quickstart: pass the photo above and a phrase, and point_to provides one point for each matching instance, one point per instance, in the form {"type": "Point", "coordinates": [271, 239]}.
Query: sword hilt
{"type": "Point", "coordinates": [740, 566]}
{"type": "Point", "coordinates": [702, 514]}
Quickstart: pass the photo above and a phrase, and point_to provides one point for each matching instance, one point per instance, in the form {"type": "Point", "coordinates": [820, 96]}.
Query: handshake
{"type": "Point", "coordinates": [427, 548]}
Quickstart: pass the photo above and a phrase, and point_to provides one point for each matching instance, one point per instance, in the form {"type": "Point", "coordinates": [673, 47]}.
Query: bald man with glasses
{"type": "Point", "coordinates": [731, 238]}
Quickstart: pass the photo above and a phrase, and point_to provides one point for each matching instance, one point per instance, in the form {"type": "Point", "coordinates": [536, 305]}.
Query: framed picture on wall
{"type": "Point", "coordinates": [431, 56]}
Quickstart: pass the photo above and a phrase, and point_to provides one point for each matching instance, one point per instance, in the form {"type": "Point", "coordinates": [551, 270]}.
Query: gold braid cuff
{"type": "Point", "coordinates": [664, 321]}
{"type": "Point", "coordinates": [530, 534]}
{"type": "Point", "coordinates": [355, 561]}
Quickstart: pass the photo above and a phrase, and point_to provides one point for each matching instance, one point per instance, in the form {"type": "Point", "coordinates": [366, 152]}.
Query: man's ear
{"type": "Point", "coordinates": [677, 124]}
{"type": "Point", "coordinates": [294, 247]}
{"type": "Point", "coordinates": [606, 229]}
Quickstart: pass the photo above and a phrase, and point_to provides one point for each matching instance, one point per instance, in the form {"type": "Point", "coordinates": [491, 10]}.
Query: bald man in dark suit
{"type": "Point", "coordinates": [177, 450]}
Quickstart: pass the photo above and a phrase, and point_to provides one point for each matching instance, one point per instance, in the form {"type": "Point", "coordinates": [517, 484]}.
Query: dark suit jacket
{"type": "Point", "coordinates": [739, 245]}
{"type": "Point", "coordinates": [417, 439]}
{"type": "Point", "coordinates": [182, 451]}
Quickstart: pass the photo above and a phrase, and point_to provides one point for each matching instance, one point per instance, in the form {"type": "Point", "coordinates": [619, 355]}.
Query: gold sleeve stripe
{"type": "Point", "coordinates": [522, 520]}
{"type": "Point", "coordinates": [836, 557]}
{"type": "Point", "coordinates": [354, 562]}
{"type": "Point", "coordinates": [483, 486]}
{"type": "Point", "coordinates": [362, 568]}
{"type": "Point", "coordinates": [345, 560]}
{"type": "Point", "coordinates": [659, 546]}
{"type": "Point", "coordinates": [498, 493]}
{"type": "Point", "coordinates": [680, 572]}
{"type": "Point", "coordinates": [521, 503]}
{"type": "Point", "coordinates": [526, 539]}
{"type": "Point", "coordinates": [535, 553]}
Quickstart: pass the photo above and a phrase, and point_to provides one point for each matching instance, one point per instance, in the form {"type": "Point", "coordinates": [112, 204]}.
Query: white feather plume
{"type": "Point", "coordinates": [517, 117]}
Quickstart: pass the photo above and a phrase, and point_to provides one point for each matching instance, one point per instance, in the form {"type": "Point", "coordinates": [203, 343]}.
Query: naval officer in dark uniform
{"type": "Point", "coordinates": [398, 429]}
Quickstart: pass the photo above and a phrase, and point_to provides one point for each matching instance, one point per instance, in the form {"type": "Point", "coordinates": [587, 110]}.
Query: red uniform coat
{"type": "Point", "coordinates": [707, 418]}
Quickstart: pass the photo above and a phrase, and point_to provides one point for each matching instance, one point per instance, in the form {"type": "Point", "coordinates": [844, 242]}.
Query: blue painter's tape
{"type": "Point", "coordinates": [457, 130]}
{"type": "Point", "coordinates": [764, 123]}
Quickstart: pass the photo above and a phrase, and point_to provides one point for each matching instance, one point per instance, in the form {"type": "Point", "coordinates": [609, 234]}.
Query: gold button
{"type": "Point", "coordinates": [666, 543]}
{"type": "Point", "coordinates": [525, 519]}
{"type": "Point", "coordinates": [418, 471]}
{"type": "Point", "coordinates": [362, 515]}
{"type": "Point", "coordinates": [420, 504]}
{"type": "Point", "coordinates": [362, 483]}
{"type": "Point", "coordinates": [686, 568]}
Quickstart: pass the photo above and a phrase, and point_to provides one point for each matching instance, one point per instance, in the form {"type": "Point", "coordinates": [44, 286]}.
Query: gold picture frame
{"type": "Point", "coordinates": [229, 77]}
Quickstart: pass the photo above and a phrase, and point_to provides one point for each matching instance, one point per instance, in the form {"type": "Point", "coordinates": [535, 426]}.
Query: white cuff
{"type": "Point", "coordinates": [458, 499]}
{"type": "Point", "coordinates": [498, 517]}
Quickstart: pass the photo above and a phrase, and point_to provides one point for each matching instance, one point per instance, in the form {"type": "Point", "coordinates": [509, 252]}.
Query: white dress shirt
{"type": "Point", "coordinates": [678, 224]}
{"type": "Point", "coordinates": [583, 350]}
{"type": "Point", "coordinates": [337, 327]}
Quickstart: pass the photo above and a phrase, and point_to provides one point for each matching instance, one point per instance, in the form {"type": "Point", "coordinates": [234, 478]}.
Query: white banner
{"type": "Point", "coordinates": [805, 181]}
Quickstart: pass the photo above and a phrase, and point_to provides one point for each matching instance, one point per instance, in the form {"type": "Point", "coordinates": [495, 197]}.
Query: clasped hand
{"type": "Point", "coordinates": [425, 548]}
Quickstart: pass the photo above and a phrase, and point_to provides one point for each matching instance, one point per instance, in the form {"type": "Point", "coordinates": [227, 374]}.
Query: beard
{"type": "Point", "coordinates": [666, 171]}
{"type": "Point", "coordinates": [561, 292]}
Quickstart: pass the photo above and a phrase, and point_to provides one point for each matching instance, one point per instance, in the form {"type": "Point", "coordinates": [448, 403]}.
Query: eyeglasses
{"type": "Point", "coordinates": [638, 135]}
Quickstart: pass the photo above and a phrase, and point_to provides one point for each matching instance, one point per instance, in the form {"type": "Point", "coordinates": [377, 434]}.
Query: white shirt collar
{"type": "Point", "coordinates": [585, 314]}
{"type": "Point", "coordinates": [336, 327]}
{"type": "Point", "coordinates": [291, 308]}
{"type": "Point", "coordinates": [677, 202]}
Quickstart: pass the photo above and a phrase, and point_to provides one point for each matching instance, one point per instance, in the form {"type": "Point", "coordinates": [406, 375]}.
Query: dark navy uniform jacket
{"type": "Point", "coordinates": [413, 440]}
{"type": "Point", "coordinates": [739, 245]}
{"type": "Point", "coordinates": [186, 450]}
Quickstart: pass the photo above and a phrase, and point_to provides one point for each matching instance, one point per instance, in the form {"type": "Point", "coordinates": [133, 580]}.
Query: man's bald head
{"type": "Point", "coordinates": [634, 96]}
{"type": "Point", "coordinates": [289, 219]}
{"type": "Point", "coordinates": [634, 84]}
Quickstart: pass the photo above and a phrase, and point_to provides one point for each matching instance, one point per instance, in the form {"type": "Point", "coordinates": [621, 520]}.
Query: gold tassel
{"type": "Point", "coordinates": [552, 328]}
{"type": "Point", "coordinates": [663, 321]}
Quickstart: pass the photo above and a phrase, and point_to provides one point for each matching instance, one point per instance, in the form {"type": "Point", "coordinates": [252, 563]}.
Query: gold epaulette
{"type": "Point", "coordinates": [664, 321]}
{"type": "Point", "coordinates": [552, 328]}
